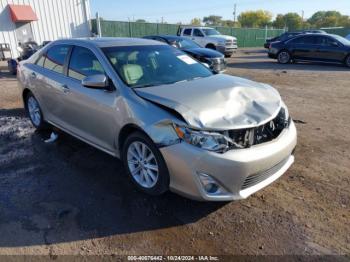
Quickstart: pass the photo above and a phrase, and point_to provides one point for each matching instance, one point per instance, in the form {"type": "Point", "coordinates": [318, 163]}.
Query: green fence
{"type": "Point", "coordinates": [338, 31]}
{"type": "Point", "coordinates": [246, 37]}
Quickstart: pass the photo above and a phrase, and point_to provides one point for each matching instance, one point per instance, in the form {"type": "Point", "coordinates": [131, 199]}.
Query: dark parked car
{"type": "Point", "coordinates": [288, 35]}
{"type": "Point", "coordinates": [213, 59]}
{"type": "Point", "coordinates": [312, 47]}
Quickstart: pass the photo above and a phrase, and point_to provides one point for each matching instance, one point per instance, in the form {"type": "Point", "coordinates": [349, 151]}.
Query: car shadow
{"type": "Point", "coordinates": [68, 191]}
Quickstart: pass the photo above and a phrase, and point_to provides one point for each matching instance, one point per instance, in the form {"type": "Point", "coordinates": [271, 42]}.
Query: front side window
{"type": "Point", "coordinates": [40, 61]}
{"type": "Point", "coordinates": [188, 31]}
{"type": "Point", "coordinates": [83, 63]}
{"type": "Point", "coordinates": [197, 32]}
{"type": "Point", "coordinates": [210, 31]}
{"type": "Point", "coordinates": [142, 66]}
{"type": "Point", "coordinates": [55, 58]}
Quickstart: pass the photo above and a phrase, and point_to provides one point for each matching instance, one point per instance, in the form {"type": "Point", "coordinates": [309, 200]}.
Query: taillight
{"type": "Point", "coordinates": [270, 46]}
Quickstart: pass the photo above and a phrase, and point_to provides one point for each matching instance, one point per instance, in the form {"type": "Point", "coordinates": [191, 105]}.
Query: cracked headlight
{"type": "Point", "coordinates": [211, 141]}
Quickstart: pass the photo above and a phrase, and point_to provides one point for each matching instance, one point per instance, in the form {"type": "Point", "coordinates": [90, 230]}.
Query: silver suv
{"type": "Point", "coordinates": [174, 124]}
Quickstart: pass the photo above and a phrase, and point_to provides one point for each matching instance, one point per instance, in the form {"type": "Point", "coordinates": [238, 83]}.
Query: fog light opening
{"type": "Point", "coordinates": [211, 187]}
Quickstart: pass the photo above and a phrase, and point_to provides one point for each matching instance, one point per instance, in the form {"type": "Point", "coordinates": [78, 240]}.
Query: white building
{"type": "Point", "coordinates": [42, 20]}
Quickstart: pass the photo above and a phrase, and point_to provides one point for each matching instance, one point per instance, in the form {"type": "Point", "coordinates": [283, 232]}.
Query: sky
{"type": "Point", "coordinates": [174, 11]}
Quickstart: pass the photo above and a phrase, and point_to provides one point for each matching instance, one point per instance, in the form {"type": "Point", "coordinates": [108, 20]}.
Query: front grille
{"type": "Point", "coordinates": [257, 178]}
{"type": "Point", "coordinates": [245, 138]}
{"type": "Point", "coordinates": [231, 42]}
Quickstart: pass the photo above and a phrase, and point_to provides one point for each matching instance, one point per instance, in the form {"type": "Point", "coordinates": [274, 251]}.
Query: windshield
{"type": "Point", "coordinates": [210, 31]}
{"type": "Point", "coordinates": [342, 40]}
{"type": "Point", "coordinates": [186, 44]}
{"type": "Point", "coordinates": [143, 66]}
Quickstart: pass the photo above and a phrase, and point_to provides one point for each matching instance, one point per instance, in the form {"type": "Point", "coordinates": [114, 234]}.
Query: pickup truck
{"type": "Point", "coordinates": [210, 38]}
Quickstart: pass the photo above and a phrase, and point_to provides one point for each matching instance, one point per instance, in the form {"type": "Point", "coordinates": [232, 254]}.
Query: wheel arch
{"type": "Point", "coordinates": [25, 93]}
{"type": "Point", "coordinates": [210, 45]}
{"type": "Point", "coordinates": [346, 58]}
{"type": "Point", "coordinates": [126, 131]}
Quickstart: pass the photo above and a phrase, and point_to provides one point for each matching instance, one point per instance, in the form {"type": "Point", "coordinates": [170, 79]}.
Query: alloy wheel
{"type": "Point", "coordinates": [142, 164]}
{"type": "Point", "coordinates": [283, 57]}
{"type": "Point", "coordinates": [34, 110]}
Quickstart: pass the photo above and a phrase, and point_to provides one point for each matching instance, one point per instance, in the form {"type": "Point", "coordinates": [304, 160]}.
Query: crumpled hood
{"type": "Point", "coordinates": [219, 102]}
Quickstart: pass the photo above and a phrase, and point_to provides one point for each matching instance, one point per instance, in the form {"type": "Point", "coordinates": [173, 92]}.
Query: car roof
{"type": "Point", "coordinates": [199, 27]}
{"type": "Point", "coordinates": [109, 41]}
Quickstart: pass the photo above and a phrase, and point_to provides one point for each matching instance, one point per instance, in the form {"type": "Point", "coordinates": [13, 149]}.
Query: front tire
{"type": "Point", "coordinates": [284, 57]}
{"type": "Point", "coordinates": [145, 164]}
{"type": "Point", "coordinates": [211, 46]}
{"type": "Point", "coordinates": [347, 61]}
{"type": "Point", "coordinates": [34, 112]}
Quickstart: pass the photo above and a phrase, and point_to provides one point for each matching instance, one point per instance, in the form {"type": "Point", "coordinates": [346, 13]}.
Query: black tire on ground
{"type": "Point", "coordinates": [40, 125]}
{"type": "Point", "coordinates": [163, 180]}
{"type": "Point", "coordinates": [284, 57]}
{"type": "Point", "coordinates": [347, 61]}
{"type": "Point", "coordinates": [228, 55]}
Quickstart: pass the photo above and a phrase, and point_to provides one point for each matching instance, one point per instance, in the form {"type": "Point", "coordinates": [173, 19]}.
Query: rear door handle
{"type": "Point", "coordinates": [65, 89]}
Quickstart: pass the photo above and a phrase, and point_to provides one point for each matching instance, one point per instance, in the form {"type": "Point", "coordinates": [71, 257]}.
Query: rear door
{"type": "Point", "coordinates": [89, 113]}
{"type": "Point", "coordinates": [48, 77]}
{"type": "Point", "coordinates": [187, 32]}
{"type": "Point", "coordinates": [303, 47]}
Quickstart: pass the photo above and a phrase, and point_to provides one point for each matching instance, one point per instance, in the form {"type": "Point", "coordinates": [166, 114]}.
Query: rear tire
{"type": "Point", "coordinates": [145, 164]}
{"type": "Point", "coordinates": [284, 57]}
{"type": "Point", "coordinates": [34, 112]}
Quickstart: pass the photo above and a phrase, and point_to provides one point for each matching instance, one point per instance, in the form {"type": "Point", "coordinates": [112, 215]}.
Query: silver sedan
{"type": "Point", "coordinates": [175, 125]}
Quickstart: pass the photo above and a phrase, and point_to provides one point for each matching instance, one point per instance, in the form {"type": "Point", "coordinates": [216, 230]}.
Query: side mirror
{"type": "Point", "coordinates": [99, 81]}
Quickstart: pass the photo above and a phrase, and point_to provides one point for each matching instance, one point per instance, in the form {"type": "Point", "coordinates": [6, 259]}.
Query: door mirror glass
{"type": "Point", "coordinates": [99, 81]}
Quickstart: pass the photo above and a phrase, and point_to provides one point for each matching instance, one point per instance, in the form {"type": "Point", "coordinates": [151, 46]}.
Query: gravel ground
{"type": "Point", "coordinates": [69, 198]}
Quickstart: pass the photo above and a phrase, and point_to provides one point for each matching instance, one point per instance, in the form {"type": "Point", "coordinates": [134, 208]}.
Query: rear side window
{"type": "Point", "coordinates": [83, 63]}
{"type": "Point", "coordinates": [303, 40]}
{"type": "Point", "coordinates": [188, 31]}
{"type": "Point", "coordinates": [55, 58]}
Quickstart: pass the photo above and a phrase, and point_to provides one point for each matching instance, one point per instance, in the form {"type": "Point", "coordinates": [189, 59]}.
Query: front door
{"type": "Point", "coordinates": [89, 113]}
{"type": "Point", "coordinates": [330, 50]}
{"type": "Point", "coordinates": [198, 37]}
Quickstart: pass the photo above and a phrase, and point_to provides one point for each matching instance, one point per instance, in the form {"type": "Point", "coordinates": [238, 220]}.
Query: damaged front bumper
{"type": "Point", "coordinates": [239, 173]}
